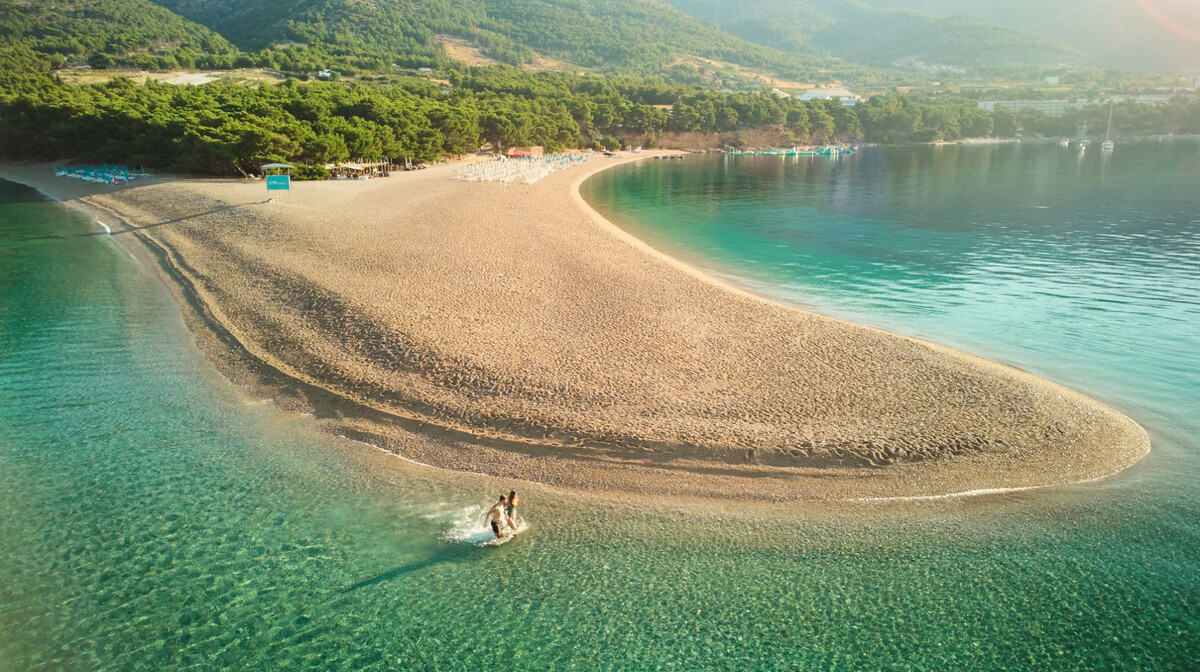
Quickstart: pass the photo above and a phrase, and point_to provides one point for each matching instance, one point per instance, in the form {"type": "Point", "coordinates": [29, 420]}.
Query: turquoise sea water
{"type": "Point", "coordinates": [1082, 269]}
{"type": "Point", "coordinates": [154, 517]}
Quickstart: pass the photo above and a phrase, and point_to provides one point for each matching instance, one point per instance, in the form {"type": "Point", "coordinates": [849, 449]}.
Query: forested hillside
{"type": "Point", "coordinates": [640, 37]}
{"type": "Point", "coordinates": [226, 128]}
{"type": "Point", "coordinates": [629, 52]}
{"type": "Point", "coordinates": [106, 33]}
{"type": "Point", "coordinates": [631, 36]}
{"type": "Point", "coordinates": [308, 35]}
{"type": "Point", "coordinates": [863, 33]}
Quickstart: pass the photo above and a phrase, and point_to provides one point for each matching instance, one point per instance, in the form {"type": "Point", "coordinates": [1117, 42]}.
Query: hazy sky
{"type": "Point", "coordinates": [1152, 35]}
{"type": "Point", "coordinates": [1181, 17]}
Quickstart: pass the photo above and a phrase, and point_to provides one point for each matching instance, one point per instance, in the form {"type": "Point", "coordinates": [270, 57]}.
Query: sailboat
{"type": "Point", "coordinates": [1108, 145]}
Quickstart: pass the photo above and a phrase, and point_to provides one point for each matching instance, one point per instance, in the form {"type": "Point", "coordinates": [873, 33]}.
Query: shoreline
{"type": "Point", "coordinates": [415, 431]}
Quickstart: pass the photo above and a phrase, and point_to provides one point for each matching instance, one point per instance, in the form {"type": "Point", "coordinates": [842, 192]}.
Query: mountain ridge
{"type": "Point", "coordinates": [864, 33]}
{"type": "Point", "coordinates": [634, 36]}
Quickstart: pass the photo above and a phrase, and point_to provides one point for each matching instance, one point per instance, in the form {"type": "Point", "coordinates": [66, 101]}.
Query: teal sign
{"type": "Point", "coordinates": [279, 183]}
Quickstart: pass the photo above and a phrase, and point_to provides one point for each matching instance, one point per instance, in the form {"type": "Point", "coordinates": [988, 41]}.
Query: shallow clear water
{"type": "Point", "coordinates": [154, 517]}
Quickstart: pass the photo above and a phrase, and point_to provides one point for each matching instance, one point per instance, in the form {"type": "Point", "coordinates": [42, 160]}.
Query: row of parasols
{"type": "Point", "coordinates": [101, 174]}
{"type": "Point", "coordinates": [520, 170]}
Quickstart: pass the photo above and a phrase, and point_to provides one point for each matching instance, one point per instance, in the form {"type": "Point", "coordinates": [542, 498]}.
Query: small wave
{"type": "Point", "coordinates": [468, 527]}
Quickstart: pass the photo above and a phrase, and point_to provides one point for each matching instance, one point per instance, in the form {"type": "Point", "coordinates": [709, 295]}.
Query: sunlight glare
{"type": "Point", "coordinates": [1181, 17]}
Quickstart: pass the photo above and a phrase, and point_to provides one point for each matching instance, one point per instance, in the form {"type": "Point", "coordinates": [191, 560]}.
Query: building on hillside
{"type": "Point", "coordinates": [781, 94]}
{"type": "Point", "coordinates": [844, 95]}
{"type": "Point", "coordinates": [1051, 108]}
{"type": "Point", "coordinates": [1057, 108]}
{"type": "Point", "coordinates": [669, 109]}
{"type": "Point", "coordinates": [524, 152]}
{"type": "Point", "coordinates": [926, 67]}
{"type": "Point", "coordinates": [1150, 98]}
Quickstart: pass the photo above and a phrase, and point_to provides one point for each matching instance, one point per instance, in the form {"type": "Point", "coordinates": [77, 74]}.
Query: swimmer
{"type": "Point", "coordinates": [513, 503]}
{"type": "Point", "coordinates": [496, 517]}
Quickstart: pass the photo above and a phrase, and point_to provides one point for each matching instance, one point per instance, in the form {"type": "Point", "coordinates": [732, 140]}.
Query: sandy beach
{"type": "Point", "coordinates": [513, 331]}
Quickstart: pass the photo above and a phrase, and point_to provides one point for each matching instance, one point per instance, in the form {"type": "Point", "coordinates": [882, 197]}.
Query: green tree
{"type": "Point", "coordinates": [1004, 122]}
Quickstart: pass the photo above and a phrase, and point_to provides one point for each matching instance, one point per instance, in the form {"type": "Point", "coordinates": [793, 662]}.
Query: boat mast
{"type": "Point", "coordinates": [1108, 133]}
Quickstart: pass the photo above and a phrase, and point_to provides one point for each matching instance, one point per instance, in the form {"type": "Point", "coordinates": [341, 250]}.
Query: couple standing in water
{"type": "Point", "coordinates": [501, 514]}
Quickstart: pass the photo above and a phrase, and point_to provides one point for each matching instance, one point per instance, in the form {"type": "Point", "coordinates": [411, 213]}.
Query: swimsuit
{"type": "Point", "coordinates": [495, 528]}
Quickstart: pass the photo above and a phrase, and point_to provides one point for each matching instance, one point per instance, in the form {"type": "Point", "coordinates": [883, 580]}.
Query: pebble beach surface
{"type": "Point", "coordinates": [511, 330]}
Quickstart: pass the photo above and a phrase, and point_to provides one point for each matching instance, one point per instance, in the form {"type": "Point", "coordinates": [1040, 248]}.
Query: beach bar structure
{"type": "Point", "coordinates": [534, 152]}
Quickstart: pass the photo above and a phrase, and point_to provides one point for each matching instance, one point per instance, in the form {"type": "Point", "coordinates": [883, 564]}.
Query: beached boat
{"type": "Point", "coordinates": [1064, 142]}
{"type": "Point", "coordinates": [834, 150]}
{"type": "Point", "coordinates": [795, 151]}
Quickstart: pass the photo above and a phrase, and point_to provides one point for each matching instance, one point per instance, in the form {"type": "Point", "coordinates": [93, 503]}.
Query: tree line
{"type": "Point", "coordinates": [227, 128]}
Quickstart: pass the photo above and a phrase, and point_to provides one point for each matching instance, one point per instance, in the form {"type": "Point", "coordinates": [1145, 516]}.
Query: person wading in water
{"type": "Point", "coordinates": [513, 503]}
{"type": "Point", "coordinates": [496, 516]}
